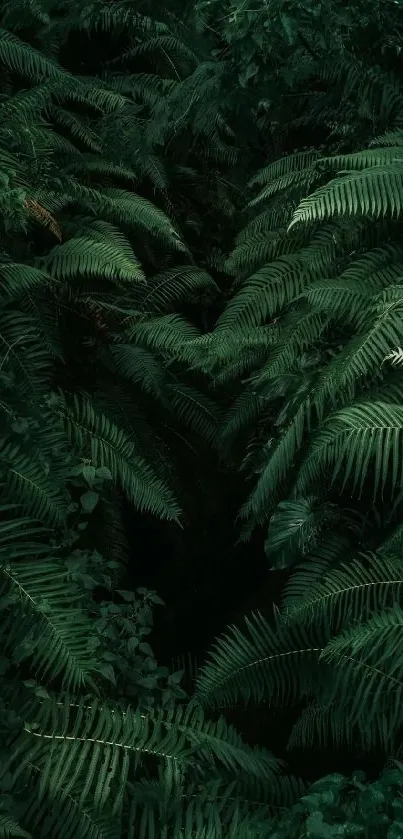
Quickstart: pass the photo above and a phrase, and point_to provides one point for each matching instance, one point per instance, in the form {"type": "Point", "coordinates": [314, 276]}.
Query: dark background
{"type": "Point", "coordinates": [208, 582]}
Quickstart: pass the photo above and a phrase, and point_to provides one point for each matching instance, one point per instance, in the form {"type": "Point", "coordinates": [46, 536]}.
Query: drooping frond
{"type": "Point", "coordinates": [368, 584]}
{"type": "Point", "coordinates": [364, 443]}
{"type": "Point", "coordinates": [42, 620]}
{"type": "Point", "coordinates": [374, 191]}
{"type": "Point", "coordinates": [98, 438]}
{"type": "Point", "coordinates": [262, 662]}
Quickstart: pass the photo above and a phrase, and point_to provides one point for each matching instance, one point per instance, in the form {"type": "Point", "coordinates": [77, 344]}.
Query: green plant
{"type": "Point", "coordinates": [130, 367]}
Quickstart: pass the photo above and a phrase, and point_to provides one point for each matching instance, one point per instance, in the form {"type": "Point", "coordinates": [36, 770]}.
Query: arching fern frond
{"type": "Point", "coordinates": [141, 367]}
{"type": "Point", "coordinates": [296, 171]}
{"type": "Point", "coordinates": [278, 457]}
{"type": "Point", "coordinates": [265, 293]}
{"type": "Point", "coordinates": [30, 63]}
{"type": "Point", "coordinates": [284, 166]}
{"type": "Point", "coordinates": [166, 334]}
{"type": "Point", "coordinates": [367, 664]}
{"type": "Point", "coordinates": [361, 358]}
{"type": "Point", "coordinates": [108, 733]}
{"type": "Point", "coordinates": [195, 410]}
{"type": "Point", "coordinates": [167, 290]}
{"type": "Point", "coordinates": [356, 589]}
{"type": "Point", "coordinates": [85, 257]}
{"type": "Point", "coordinates": [42, 620]}
{"type": "Point", "coordinates": [98, 438]}
{"type": "Point", "coordinates": [32, 484]}
{"type": "Point", "coordinates": [374, 192]}
{"type": "Point", "coordinates": [261, 662]}
{"type": "Point", "coordinates": [346, 296]}
{"type": "Point", "coordinates": [364, 441]}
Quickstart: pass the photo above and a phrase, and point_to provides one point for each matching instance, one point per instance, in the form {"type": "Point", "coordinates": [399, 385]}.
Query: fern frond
{"type": "Point", "coordinates": [278, 459]}
{"type": "Point", "coordinates": [367, 665]}
{"type": "Point", "coordinates": [11, 12]}
{"type": "Point", "coordinates": [262, 662]}
{"type": "Point", "coordinates": [30, 63]}
{"type": "Point", "coordinates": [21, 345]}
{"type": "Point", "coordinates": [374, 192]}
{"type": "Point", "coordinates": [32, 484]}
{"type": "Point", "coordinates": [77, 130]}
{"type": "Point", "coordinates": [17, 280]}
{"type": "Point", "coordinates": [53, 631]}
{"type": "Point", "coordinates": [100, 16]}
{"type": "Point", "coordinates": [265, 293]}
{"type": "Point", "coordinates": [89, 166]}
{"type": "Point", "coordinates": [96, 437]}
{"type": "Point", "coordinates": [173, 55]}
{"type": "Point", "coordinates": [292, 176]}
{"type": "Point", "coordinates": [285, 166]}
{"type": "Point", "coordinates": [346, 296]}
{"type": "Point", "coordinates": [195, 410]}
{"type": "Point", "coordinates": [82, 257]}
{"type": "Point", "coordinates": [366, 158]}
{"type": "Point", "coordinates": [257, 250]}
{"type": "Point", "coordinates": [108, 734]}
{"type": "Point", "coordinates": [125, 208]}
{"type": "Point", "coordinates": [166, 334]}
{"type": "Point", "coordinates": [357, 589]}
{"type": "Point", "coordinates": [365, 441]}
{"type": "Point", "coordinates": [140, 366]}
{"type": "Point", "coordinates": [363, 355]}
{"type": "Point", "coordinates": [283, 359]}
{"type": "Point", "coordinates": [167, 290]}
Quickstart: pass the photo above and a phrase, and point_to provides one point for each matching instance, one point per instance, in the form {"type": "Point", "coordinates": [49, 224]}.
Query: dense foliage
{"type": "Point", "coordinates": [200, 275]}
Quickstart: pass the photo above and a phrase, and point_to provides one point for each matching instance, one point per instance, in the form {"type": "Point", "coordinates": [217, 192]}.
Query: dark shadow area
{"type": "Point", "coordinates": [206, 581]}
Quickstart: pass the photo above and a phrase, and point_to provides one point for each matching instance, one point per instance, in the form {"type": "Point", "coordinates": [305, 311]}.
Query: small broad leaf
{"type": "Point", "coordinates": [20, 426]}
{"type": "Point", "coordinates": [147, 682]}
{"type": "Point", "coordinates": [156, 600]}
{"type": "Point", "coordinates": [290, 27]}
{"type": "Point", "coordinates": [104, 473]}
{"type": "Point", "coordinates": [41, 692]}
{"type": "Point", "coordinates": [74, 563]}
{"type": "Point", "coordinates": [127, 595]}
{"type": "Point", "coordinates": [109, 656]}
{"type": "Point", "coordinates": [89, 474]}
{"type": "Point", "coordinates": [176, 678]}
{"type": "Point", "coordinates": [292, 528]}
{"type": "Point", "coordinates": [132, 645]}
{"type": "Point", "coordinates": [89, 501]}
{"type": "Point", "coordinates": [108, 672]}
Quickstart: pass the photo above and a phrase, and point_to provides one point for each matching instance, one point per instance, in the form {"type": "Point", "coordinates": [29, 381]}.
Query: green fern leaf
{"type": "Point", "coordinates": [84, 257]}
{"type": "Point", "coordinates": [140, 366]}
{"type": "Point", "coordinates": [171, 288]}
{"type": "Point", "coordinates": [374, 192]}
{"type": "Point", "coordinates": [362, 440]}
{"type": "Point", "coordinates": [367, 663]}
{"type": "Point", "coordinates": [52, 631]}
{"type": "Point", "coordinates": [27, 61]}
{"type": "Point", "coordinates": [263, 662]}
{"type": "Point", "coordinates": [195, 411]}
{"type": "Point", "coordinates": [369, 584]}
{"type": "Point", "coordinates": [95, 436]}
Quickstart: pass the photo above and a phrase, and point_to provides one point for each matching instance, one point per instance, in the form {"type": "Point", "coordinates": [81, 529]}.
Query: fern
{"type": "Point", "coordinates": [105, 444]}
